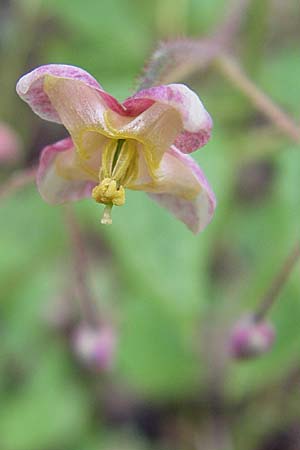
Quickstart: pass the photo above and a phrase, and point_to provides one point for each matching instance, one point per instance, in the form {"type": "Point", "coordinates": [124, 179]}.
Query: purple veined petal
{"type": "Point", "coordinates": [136, 106]}
{"type": "Point", "coordinates": [197, 123]}
{"type": "Point", "coordinates": [188, 142]}
{"type": "Point", "coordinates": [60, 178]}
{"type": "Point", "coordinates": [30, 88]}
{"type": "Point", "coordinates": [182, 175]}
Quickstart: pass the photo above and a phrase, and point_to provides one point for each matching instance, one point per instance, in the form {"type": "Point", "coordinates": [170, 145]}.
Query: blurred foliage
{"type": "Point", "coordinates": [164, 287]}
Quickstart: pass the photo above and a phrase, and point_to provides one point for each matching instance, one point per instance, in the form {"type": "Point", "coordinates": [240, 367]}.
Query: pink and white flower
{"type": "Point", "coordinates": [95, 347]}
{"type": "Point", "coordinates": [251, 338]}
{"type": "Point", "coordinates": [140, 144]}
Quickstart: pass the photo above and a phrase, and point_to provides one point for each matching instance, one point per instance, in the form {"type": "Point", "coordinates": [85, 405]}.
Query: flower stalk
{"type": "Point", "coordinates": [87, 304]}
{"type": "Point", "coordinates": [278, 283]}
{"type": "Point", "coordinates": [17, 181]}
{"type": "Point", "coordinates": [229, 67]}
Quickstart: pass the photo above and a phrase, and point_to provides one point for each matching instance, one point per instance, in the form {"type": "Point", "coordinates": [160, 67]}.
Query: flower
{"type": "Point", "coordinates": [95, 347]}
{"type": "Point", "coordinates": [251, 338]}
{"type": "Point", "coordinates": [141, 144]}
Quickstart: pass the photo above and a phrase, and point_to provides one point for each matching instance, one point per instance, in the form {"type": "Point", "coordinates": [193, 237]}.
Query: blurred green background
{"type": "Point", "coordinates": [172, 296]}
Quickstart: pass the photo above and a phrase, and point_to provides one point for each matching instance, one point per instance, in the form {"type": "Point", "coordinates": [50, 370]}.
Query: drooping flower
{"type": "Point", "coordinates": [95, 347]}
{"type": "Point", "coordinates": [141, 144]}
{"type": "Point", "coordinates": [250, 338]}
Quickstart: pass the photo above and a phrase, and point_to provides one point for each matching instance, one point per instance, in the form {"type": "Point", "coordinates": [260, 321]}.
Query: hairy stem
{"type": "Point", "coordinates": [227, 30]}
{"type": "Point", "coordinates": [176, 59]}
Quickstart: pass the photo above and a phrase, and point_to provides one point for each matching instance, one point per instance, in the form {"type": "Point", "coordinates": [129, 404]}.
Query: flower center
{"type": "Point", "coordinates": [119, 168]}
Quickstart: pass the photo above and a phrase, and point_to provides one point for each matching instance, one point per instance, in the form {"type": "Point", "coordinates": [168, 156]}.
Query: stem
{"type": "Point", "coordinates": [178, 58]}
{"type": "Point", "coordinates": [26, 18]}
{"type": "Point", "coordinates": [233, 72]}
{"type": "Point", "coordinates": [86, 302]}
{"type": "Point", "coordinates": [17, 181]}
{"type": "Point", "coordinates": [227, 30]}
{"type": "Point", "coordinates": [278, 283]}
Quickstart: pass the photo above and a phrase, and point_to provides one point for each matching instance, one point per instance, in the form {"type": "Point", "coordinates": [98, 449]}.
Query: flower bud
{"type": "Point", "coordinates": [10, 145]}
{"type": "Point", "coordinates": [250, 338]}
{"type": "Point", "coordinates": [95, 347]}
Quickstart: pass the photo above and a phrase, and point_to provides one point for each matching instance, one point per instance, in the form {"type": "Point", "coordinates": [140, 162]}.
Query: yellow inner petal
{"type": "Point", "coordinates": [156, 129]}
{"type": "Point", "coordinates": [172, 177]}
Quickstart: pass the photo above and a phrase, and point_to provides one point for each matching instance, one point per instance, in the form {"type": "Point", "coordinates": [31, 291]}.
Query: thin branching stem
{"type": "Point", "coordinates": [17, 181]}
{"type": "Point", "coordinates": [234, 73]}
{"type": "Point", "coordinates": [80, 262]}
{"type": "Point", "coordinates": [278, 282]}
{"type": "Point", "coordinates": [226, 32]}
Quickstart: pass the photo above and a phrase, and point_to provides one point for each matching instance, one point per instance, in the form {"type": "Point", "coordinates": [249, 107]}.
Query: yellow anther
{"type": "Point", "coordinates": [107, 192]}
{"type": "Point", "coordinates": [119, 167]}
{"type": "Point", "coordinates": [120, 161]}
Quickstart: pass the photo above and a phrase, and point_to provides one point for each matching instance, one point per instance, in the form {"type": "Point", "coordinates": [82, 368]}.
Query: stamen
{"type": "Point", "coordinates": [117, 153]}
{"type": "Point", "coordinates": [107, 159]}
{"type": "Point", "coordinates": [108, 192]}
{"type": "Point", "coordinates": [119, 167]}
{"type": "Point", "coordinates": [106, 218]}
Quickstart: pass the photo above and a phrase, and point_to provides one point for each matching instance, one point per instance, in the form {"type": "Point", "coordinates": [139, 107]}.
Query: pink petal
{"type": "Point", "coordinates": [197, 123]}
{"type": "Point", "coordinates": [55, 188]}
{"type": "Point", "coordinates": [197, 212]}
{"type": "Point", "coordinates": [31, 89]}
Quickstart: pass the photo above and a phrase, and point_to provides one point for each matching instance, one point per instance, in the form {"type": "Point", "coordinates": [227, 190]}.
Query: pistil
{"type": "Point", "coordinates": [106, 218]}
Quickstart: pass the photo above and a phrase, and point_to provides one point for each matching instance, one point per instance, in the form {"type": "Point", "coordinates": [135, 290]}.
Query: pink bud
{"type": "Point", "coordinates": [95, 347]}
{"type": "Point", "coordinates": [250, 338]}
{"type": "Point", "coordinates": [10, 145]}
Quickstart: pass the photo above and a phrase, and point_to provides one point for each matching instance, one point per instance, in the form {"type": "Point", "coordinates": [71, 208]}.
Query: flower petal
{"type": "Point", "coordinates": [156, 128]}
{"type": "Point", "coordinates": [197, 123]}
{"type": "Point", "coordinates": [81, 111]}
{"type": "Point", "coordinates": [61, 176]}
{"type": "Point", "coordinates": [31, 88]}
{"type": "Point", "coordinates": [78, 106]}
{"type": "Point", "coordinates": [181, 187]}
